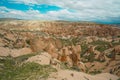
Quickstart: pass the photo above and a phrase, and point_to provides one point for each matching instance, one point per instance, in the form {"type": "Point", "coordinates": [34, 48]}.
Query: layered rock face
{"type": "Point", "coordinates": [83, 45]}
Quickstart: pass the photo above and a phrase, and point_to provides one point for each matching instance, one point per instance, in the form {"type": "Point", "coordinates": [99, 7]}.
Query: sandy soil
{"type": "Point", "coordinates": [73, 75]}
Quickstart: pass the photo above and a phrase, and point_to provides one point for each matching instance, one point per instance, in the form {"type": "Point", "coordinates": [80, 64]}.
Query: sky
{"type": "Point", "coordinates": [101, 11]}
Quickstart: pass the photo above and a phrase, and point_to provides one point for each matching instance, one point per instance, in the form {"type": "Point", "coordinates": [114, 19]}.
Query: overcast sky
{"type": "Point", "coordinates": [103, 11]}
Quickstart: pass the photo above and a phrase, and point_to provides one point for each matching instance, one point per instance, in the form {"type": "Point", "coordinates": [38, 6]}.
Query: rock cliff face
{"type": "Point", "coordinates": [92, 48]}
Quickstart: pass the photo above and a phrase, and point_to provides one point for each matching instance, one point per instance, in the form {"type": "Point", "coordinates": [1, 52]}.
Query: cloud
{"type": "Point", "coordinates": [63, 14]}
{"type": "Point", "coordinates": [6, 12]}
{"type": "Point", "coordinates": [75, 4]}
{"type": "Point", "coordinates": [32, 14]}
{"type": "Point", "coordinates": [96, 7]}
{"type": "Point", "coordinates": [75, 10]}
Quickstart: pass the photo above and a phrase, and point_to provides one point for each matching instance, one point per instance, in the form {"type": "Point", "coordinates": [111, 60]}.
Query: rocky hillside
{"type": "Point", "coordinates": [83, 47]}
{"type": "Point", "coordinates": [63, 28]}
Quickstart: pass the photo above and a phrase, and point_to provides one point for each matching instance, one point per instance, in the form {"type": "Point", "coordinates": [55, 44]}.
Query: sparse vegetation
{"type": "Point", "coordinates": [75, 68]}
{"type": "Point", "coordinates": [84, 47]}
{"type": "Point", "coordinates": [100, 42]}
{"type": "Point", "coordinates": [75, 40]}
{"type": "Point", "coordinates": [66, 42]}
{"type": "Point", "coordinates": [70, 41]}
{"type": "Point", "coordinates": [115, 43]}
{"type": "Point", "coordinates": [90, 58]}
{"type": "Point", "coordinates": [95, 72]}
{"type": "Point", "coordinates": [27, 71]}
{"type": "Point", "coordinates": [101, 48]}
{"type": "Point", "coordinates": [101, 45]}
{"type": "Point", "coordinates": [118, 79]}
{"type": "Point", "coordinates": [22, 58]}
{"type": "Point", "coordinates": [64, 65]}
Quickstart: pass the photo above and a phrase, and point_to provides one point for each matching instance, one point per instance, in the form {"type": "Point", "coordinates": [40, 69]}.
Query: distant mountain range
{"type": "Point", "coordinates": [82, 22]}
{"type": "Point", "coordinates": [4, 19]}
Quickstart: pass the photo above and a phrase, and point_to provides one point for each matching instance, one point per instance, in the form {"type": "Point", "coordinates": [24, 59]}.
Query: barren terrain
{"type": "Point", "coordinates": [59, 50]}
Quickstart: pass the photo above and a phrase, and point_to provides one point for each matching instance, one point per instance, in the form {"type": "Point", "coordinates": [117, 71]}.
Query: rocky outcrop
{"type": "Point", "coordinates": [40, 44]}
{"type": "Point", "coordinates": [70, 55]}
{"type": "Point", "coordinates": [14, 52]}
